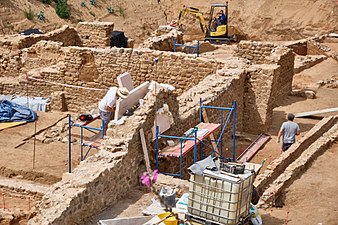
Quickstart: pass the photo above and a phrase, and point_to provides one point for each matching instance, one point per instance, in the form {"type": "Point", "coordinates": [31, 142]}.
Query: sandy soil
{"type": "Point", "coordinates": [51, 159]}
{"type": "Point", "coordinates": [308, 79]}
{"type": "Point", "coordinates": [325, 98]}
{"type": "Point", "coordinates": [16, 202]}
{"type": "Point", "coordinates": [132, 205]}
{"type": "Point", "coordinates": [276, 20]}
{"type": "Point", "coordinates": [311, 199]}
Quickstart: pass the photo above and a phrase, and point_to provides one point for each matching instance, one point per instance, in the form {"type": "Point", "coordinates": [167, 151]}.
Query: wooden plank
{"type": "Point", "coordinates": [175, 151]}
{"type": "Point", "coordinates": [145, 150]}
{"type": "Point", "coordinates": [6, 125]}
{"type": "Point", "coordinates": [253, 148]}
{"type": "Point", "coordinates": [124, 80]}
{"type": "Point", "coordinates": [311, 113]}
{"type": "Point", "coordinates": [122, 105]}
{"type": "Point", "coordinates": [206, 120]}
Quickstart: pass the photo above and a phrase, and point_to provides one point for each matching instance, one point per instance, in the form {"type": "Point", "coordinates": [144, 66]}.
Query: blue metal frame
{"type": "Point", "coordinates": [223, 126]}
{"type": "Point", "coordinates": [196, 48]}
{"type": "Point", "coordinates": [182, 139]}
{"type": "Point", "coordinates": [218, 141]}
{"type": "Point", "coordinates": [82, 145]}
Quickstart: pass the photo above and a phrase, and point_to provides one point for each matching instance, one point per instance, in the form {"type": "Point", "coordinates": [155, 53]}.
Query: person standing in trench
{"type": "Point", "coordinates": [288, 131]}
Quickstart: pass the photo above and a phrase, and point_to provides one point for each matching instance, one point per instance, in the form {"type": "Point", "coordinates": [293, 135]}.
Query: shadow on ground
{"type": "Point", "coordinates": [270, 220]}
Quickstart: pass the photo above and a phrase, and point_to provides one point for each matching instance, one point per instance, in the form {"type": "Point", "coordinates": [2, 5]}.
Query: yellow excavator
{"type": "Point", "coordinates": [217, 29]}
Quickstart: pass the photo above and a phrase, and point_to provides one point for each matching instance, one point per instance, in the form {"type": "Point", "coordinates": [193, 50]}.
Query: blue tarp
{"type": "Point", "coordinates": [34, 103]}
{"type": "Point", "coordinates": [12, 112]}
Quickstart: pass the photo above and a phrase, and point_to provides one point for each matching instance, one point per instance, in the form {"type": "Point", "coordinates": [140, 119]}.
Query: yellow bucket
{"type": "Point", "coordinates": [170, 220]}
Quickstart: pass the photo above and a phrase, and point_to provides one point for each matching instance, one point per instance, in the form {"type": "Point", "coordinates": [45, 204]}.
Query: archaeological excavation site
{"type": "Point", "coordinates": [168, 112]}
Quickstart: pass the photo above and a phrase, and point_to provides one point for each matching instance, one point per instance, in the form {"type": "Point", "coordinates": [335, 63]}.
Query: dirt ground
{"type": "Point", "coordinates": [325, 98]}
{"type": "Point", "coordinates": [51, 159]}
{"type": "Point", "coordinates": [311, 199]}
{"type": "Point", "coordinates": [259, 20]}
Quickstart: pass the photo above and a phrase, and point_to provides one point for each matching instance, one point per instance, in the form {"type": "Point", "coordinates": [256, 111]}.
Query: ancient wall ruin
{"type": "Point", "coordinates": [95, 34]}
{"type": "Point", "coordinates": [256, 82]}
{"type": "Point", "coordinates": [106, 177]}
{"type": "Point", "coordinates": [269, 81]}
{"type": "Point", "coordinates": [299, 47]}
{"type": "Point", "coordinates": [11, 47]}
{"type": "Point", "coordinates": [98, 68]}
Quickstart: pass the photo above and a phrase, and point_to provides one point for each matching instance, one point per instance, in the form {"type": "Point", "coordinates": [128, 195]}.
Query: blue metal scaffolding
{"type": "Point", "coordinates": [195, 48]}
{"type": "Point", "coordinates": [232, 113]}
{"type": "Point", "coordinates": [199, 141]}
{"type": "Point", "coordinates": [83, 144]}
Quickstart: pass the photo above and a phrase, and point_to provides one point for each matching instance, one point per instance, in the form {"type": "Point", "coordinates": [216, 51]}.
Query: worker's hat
{"type": "Point", "coordinates": [122, 92]}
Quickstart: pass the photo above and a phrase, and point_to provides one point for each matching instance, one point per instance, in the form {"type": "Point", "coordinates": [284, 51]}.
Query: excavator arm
{"type": "Point", "coordinates": [197, 13]}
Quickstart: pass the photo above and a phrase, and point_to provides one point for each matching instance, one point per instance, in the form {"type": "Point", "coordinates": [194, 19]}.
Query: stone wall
{"type": "Point", "coordinates": [106, 177]}
{"type": "Point", "coordinates": [95, 34]}
{"type": "Point", "coordinates": [259, 97]}
{"type": "Point", "coordinates": [274, 195]}
{"type": "Point", "coordinates": [11, 47]}
{"type": "Point", "coordinates": [268, 82]}
{"type": "Point", "coordinates": [98, 68]}
{"type": "Point", "coordinates": [163, 40]}
{"type": "Point", "coordinates": [299, 47]}
{"type": "Point", "coordinates": [256, 52]}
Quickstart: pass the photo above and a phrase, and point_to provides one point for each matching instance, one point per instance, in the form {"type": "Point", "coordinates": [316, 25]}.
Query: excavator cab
{"type": "Point", "coordinates": [218, 23]}
{"type": "Point", "coordinates": [216, 31]}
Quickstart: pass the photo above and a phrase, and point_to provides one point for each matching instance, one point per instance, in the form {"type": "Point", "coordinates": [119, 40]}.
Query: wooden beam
{"type": "Point", "coordinates": [145, 150]}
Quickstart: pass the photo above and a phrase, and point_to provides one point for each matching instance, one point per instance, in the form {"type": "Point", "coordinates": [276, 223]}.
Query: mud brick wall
{"type": "Point", "coordinates": [163, 40]}
{"type": "Point", "coordinates": [66, 35]}
{"type": "Point", "coordinates": [41, 54]}
{"type": "Point", "coordinates": [95, 34]}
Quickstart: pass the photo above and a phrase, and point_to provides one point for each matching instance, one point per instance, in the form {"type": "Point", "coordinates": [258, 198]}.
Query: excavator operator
{"type": "Point", "coordinates": [219, 20]}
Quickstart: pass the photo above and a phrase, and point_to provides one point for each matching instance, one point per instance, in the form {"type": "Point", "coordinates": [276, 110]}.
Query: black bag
{"type": "Point", "coordinates": [255, 196]}
{"type": "Point", "coordinates": [118, 39]}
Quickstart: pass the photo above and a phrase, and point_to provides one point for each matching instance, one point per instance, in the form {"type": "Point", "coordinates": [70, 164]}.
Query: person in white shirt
{"type": "Point", "coordinates": [108, 102]}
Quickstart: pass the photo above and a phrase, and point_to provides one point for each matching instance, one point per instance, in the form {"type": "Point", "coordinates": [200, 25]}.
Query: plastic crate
{"type": "Point", "coordinates": [220, 198]}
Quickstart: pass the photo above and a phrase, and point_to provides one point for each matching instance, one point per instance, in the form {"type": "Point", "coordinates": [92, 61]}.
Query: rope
{"type": "Point", "coordinates": [65, 85]}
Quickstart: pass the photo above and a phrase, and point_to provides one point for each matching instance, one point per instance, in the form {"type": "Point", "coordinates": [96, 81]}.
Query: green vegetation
{"type": "Point", "coordinates": [83, 4]}
{"type": "Point", "coordinates": [46, 1]}
{"type": "Point", "coordinates": [9, 25]}
{"type": "Point", "coordinates": [41, 16]}
{"type": "Point", "coordinates": [62, 9]}
{"type": "Point", "coordinates": [122, 11]}
{"type": "Point", "coordinates": [92, 2]}
{"type": "Point", "coordinates": [29, 14]}
{"type": "Point", "coordinates": [111, 10]}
